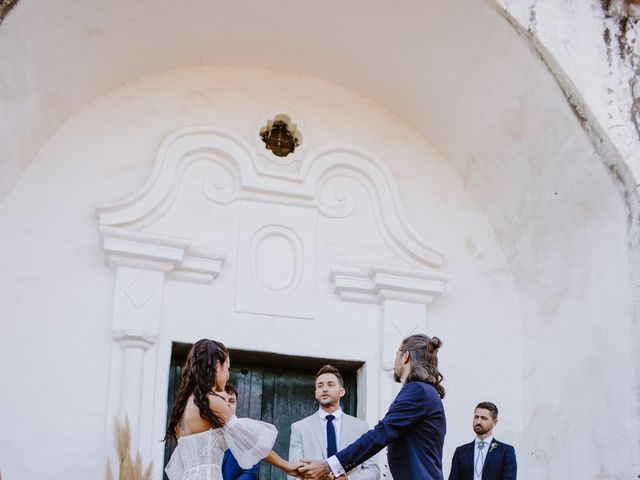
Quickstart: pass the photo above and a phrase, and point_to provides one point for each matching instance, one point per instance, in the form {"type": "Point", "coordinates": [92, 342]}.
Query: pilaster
{"type": "Point", "coordinates": [142, 262]}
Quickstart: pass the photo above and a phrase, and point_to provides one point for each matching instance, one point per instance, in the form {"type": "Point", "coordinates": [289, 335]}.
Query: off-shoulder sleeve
{"type": "Point", "coordinates": [175, 467]}
{"type": "Point", "coordinates": [249, 440]}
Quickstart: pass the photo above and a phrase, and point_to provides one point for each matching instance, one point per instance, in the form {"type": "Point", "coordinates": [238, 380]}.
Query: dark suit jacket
{"type": "Point", "coordinates": [499, 464]}
{"type": "Point", "coordinates": [413, 429]}
{"type": "Point", "coordinates": [232, 471]}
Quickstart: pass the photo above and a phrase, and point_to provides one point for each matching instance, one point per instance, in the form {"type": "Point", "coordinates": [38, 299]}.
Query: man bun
{"type": "Point", "coordinates": [435, 343]}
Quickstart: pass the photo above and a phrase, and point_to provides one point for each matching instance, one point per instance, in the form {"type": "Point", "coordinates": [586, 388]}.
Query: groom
{"type": "Point", "coordinates": [412, 430]}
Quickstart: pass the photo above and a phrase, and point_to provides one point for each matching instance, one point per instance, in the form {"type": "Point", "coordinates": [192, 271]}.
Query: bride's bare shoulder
{"type": "Point", "coordinates": [219, 406]}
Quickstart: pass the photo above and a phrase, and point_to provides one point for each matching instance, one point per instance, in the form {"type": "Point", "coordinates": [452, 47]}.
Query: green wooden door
{"type": "Point", "coordinates": [275, 389]}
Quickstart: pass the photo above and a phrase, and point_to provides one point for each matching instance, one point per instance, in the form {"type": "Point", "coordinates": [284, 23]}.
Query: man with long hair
{"type": "Point", "coordinates": [413, 429]}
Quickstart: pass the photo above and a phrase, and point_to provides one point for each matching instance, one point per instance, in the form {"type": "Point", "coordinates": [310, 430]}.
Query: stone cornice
{"type": "Point", "coordinates": [388, 283]}
{"type": "Point", "coordinates": [171, 255]}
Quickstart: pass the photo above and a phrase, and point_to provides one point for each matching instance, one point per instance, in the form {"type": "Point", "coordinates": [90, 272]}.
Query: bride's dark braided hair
{"type": "Point", "coordinates": [198, 379]}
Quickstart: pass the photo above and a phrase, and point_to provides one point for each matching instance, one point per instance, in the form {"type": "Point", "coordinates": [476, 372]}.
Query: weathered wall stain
{"type": "Point", "coordinates": [620, 20]}
{"type": "Point", "coordinates": [617, 165]}
{"type": "Point", "coordinates": [533, 17]}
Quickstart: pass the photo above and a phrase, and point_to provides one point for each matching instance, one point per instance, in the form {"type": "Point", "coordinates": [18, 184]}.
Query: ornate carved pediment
{"type": "Point", "coordinates": [324, 184]}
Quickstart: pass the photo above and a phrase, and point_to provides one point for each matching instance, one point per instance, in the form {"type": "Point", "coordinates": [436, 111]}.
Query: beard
{"type": "Point", "coordinates": [329, 402]}
{"type": "Point", "coordinates": [480, 430]}
{"type": "Point", "coordinates": [396, 377]}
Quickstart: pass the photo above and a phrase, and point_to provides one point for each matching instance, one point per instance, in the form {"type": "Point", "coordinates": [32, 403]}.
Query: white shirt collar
{"type": "Point", "coordinates": [487, 440]}
{"type": "Point", "coordinates": [337, 413]}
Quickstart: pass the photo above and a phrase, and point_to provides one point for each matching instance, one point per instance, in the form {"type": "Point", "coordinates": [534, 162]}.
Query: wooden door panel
{"type": "Point", "coordinates": [288, 396]}
{"type": "Point", "coordinates": [248, 380]}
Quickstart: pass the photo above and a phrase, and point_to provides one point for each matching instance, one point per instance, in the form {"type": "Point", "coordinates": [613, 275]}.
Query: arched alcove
{"type": "Point", "coordinates": [465, 82]}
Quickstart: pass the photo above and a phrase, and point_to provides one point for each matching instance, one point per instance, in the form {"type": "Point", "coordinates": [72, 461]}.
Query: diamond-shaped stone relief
{"type": "Point", "coordinates": [139, 292]}
{"type": "Point", "coordinates": [406, 322]}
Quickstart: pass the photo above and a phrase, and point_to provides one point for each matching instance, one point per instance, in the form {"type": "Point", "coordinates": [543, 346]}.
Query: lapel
{"type": "Point", "coordinates": [316, 428]}
{"type": "Point", "coordinates": [345, 431]}
{"type": "Point", "coordinates": [468, 454]}
{"type": "Point", "coordinates": [491, 454]}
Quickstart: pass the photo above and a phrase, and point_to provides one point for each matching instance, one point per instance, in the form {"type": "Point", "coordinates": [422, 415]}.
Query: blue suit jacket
{"type": "Point", "coordinates": [500, 463]}
{"type": "Point", "coordinates": [232, 471]}
{"type": "Point", "coordinates": [413, 429]}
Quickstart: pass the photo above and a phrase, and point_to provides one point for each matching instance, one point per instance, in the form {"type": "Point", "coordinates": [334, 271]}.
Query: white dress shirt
{"type": "Point", "coordinates": [337, 423]}
{"type": "Point", "coordinates": [476, 452]}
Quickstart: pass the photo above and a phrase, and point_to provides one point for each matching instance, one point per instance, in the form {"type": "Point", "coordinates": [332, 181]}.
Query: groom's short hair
{"type": "Point", "coordinates": [333, 370]}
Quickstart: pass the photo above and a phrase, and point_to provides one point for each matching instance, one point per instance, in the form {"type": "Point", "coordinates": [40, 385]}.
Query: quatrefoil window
{"type": "Point", "coordinates": [280, 136]}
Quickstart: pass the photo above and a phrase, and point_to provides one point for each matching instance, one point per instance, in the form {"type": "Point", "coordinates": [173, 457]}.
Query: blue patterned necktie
{"type": "Point", "coordinates": [480, 460]}
{"type": "Point", "coordinates": [331, 437]}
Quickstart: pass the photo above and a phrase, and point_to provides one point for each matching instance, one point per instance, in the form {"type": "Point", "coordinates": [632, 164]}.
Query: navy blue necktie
{"type": "Point", "coordinates": [331, 437]}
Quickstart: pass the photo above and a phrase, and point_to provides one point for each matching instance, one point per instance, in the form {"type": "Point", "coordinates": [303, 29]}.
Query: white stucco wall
{"type": "Point", "coordinates": [544, 306]}
{"type": "Point", "coordinates": [591, 49]}
{"type": "Point", "coordinates": [58, 294]}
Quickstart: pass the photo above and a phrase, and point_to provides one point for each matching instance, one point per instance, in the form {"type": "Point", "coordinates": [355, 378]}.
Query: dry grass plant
{"type": "Point", "coordinates": [128, 469]}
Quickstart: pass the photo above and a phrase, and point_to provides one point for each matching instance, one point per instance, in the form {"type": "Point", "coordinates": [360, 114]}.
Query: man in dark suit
{"type": "Point", "coordinates": [230, 468]}
{"type": "Point", "coordinates": [413, 429]}
{"type": "Point", "coordinates": [485, 458]}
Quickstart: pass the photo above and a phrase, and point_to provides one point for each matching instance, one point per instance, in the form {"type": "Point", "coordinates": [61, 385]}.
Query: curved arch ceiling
{"type": "Point", "coordinates": [457, 71]}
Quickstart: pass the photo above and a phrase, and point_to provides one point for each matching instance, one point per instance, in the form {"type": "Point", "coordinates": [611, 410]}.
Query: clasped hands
{"type": "Point", "coordinates": [313, 470]}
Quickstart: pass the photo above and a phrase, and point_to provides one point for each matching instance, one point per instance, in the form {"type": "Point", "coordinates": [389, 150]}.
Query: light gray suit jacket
{"type": "Point", "coordinates": [308, 441]}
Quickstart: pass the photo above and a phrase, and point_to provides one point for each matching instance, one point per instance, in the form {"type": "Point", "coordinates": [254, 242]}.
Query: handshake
{"type": "Point", "coordinates": [312, 470]}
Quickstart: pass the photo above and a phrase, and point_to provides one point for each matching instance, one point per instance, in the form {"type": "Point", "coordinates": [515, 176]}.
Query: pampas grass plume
{"type": "Point", "coordinates": [128, 469]}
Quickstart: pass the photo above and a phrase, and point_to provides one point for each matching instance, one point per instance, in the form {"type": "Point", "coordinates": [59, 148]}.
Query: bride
{"type": "Point", "coordinates": [204, 426]}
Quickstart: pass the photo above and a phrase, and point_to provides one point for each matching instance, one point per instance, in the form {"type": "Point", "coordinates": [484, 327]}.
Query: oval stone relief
{"type": "Point", "coordinates": [276, 258]}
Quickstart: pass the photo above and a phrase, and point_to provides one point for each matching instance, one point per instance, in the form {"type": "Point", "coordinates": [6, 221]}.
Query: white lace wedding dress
{"type": "Point", "coordinates": [199, 456]}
